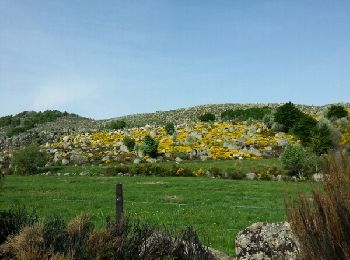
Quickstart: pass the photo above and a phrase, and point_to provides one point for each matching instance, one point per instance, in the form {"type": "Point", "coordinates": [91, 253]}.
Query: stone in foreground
{"type": "Point", "coordinates": [267, 241]}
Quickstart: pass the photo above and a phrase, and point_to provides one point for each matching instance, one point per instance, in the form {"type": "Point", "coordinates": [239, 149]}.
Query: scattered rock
{"type": "Point", "coordinates": [282, 141]}
{"type": "Point", "coordinates": [137, 161]}
{"type": "Point", "coordinates": [65, 161]}
{"type": "Point", "coordinates": [151, 160]}
{"type": "Point", "coordinates": [178, 159]}
{"type": "Point", "coordinates": [267, 241]}
{"type": "Point", "coordinates": [317, 177]}
{"type": "Point", "coordinates": [254, 152]}
{"type": "Point", "coordinates": [250, 176]}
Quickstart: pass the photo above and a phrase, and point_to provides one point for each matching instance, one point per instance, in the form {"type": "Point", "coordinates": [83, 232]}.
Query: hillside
{"type": "Point", "coordinates": [52, 126]}
{"type": "Point", "coordinates": [183, 115]}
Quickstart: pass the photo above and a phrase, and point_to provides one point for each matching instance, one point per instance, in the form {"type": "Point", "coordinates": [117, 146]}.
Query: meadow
{"type": "Point", "coordinates": [218, 209]}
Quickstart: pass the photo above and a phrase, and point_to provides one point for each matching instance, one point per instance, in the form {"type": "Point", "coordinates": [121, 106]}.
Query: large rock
{"type": "Point", "coordinates": [267, 241]}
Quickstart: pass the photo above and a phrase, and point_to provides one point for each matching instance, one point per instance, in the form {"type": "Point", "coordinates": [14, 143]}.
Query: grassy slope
{"type": "Point", "coordinates": [217, 208]}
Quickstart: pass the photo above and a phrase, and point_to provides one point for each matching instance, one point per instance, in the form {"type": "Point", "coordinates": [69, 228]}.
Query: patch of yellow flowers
{"type": "Point", "coordinates": [217, 139]}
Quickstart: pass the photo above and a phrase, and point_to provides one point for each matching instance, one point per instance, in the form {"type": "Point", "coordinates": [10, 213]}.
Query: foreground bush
{"type": "Point", "coordinates": [322, 224]}
{"type": "Point", "coordinates": [12, 221]}
{"type": "Point", "coordinates": [79, 240]}
{"type": "Point", "coordinates": [27, 160]}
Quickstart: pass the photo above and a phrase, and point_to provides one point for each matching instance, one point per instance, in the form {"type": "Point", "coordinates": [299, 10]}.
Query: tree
{"type": "Point", "coordinates": [303, 128]}
{"type": "Point", "coordinates": [169, 128]}
{"type": "Point", "coordinates": [207, 117]}
{"type": "Point", "coordinates": [116, 124]}
{"type": "Point", "coordinates": [335, 112]}
{"type": "Point", "coordinates": [150, 146]}
{"type": "Point", "coordinates": [287, 115]}
{"type": "Point", "coordinates": [129, 142]}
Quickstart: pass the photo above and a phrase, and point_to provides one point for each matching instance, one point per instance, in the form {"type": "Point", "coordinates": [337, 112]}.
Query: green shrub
{"type": "Point", "coordinates": [207, 117]}
{"type": "Point", "coordinates": [335, 112]}
{"type": "Point", "coordinates": [215, 172]}
{"type": "Point", "coordinates": [129, 142]}
{"type": "Point", "coordinates": [116, 125]}
{"type": "Point", "coordinates": [303, 128]}
{"type": "Point", "coordinates": [287, 115]}
{"type": "Point", "coordinates": [181, 155]}
{"type": "Point", "coordinates": [150, 146]}
{"type": "Point", "coordinates": [233, 174]}
{"type": "Point", "coordinates": [300, 161]}
{"type": "Point", "coordinates": [255, 113]}
{"type": "Point", "coordinates": [293, 158]}
{"type": "Point", "coordinates": [27, 160]}
{"type": "Point", "coordinates": [169, 128]}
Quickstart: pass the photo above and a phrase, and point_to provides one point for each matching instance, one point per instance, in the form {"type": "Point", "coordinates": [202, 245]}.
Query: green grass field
{"type": "Point", "coordinates": [218, 209]}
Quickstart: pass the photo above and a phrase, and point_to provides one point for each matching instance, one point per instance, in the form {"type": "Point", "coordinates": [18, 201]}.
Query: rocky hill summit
{"type": "Point", "coordinates": [184, 115]}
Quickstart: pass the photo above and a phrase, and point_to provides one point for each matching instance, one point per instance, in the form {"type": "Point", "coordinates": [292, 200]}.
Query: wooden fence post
{"type": "Point", "coordinates": [119, 204]}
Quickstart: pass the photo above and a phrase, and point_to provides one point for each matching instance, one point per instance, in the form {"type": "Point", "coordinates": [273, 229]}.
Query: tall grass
{"type": "Point", "coordinates": [322, 223]}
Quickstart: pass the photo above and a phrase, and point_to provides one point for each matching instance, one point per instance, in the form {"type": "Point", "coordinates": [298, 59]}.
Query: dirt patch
{"type": "Point", "coordinates": [171, 198]}
{"type": "Point", "coordinates": [151, 182]}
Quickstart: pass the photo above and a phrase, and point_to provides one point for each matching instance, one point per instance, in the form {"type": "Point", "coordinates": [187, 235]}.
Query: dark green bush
{"type": "Point", "coordinates": [287, 115]}
{"type": "Point", "coordinates": [13, 220]}
{"type": "Point", "coordinates": [207, 117]}
{"type": "Point", "coordinates": [335, 112]}
{"type": "Point", "coordinates": [169, 128]}
{"type": "Point", "coordinates": [234, 174]}
{"type": "Point", "coordinates": [116, 125]}
{"type": "Point", "coordinates": [54, 234]}
{"type": "Point", "coordinates": [321, 140]}
{"type": "Point", "coordinates": [303, 128]}
{"type": "Point", "coordinates": [27, 160]}
{"type": "Point", "coordinates": [255, 113]}
{"type": "Point", "coordinates": [150, 146]}
{"type": "Point", "coordinates": [129, 142]}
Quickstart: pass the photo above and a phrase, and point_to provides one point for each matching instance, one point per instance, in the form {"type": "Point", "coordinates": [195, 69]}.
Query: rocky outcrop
{"type": "Point", "coordinates": [267, 241]}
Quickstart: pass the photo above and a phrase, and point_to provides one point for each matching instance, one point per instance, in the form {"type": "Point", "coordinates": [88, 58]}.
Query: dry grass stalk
{"type": "Point", "coordinates": [322, 224]}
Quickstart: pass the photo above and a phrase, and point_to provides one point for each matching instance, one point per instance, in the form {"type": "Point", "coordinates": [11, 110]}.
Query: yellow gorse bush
{"type": "Point", "coordinates": [213, 138]}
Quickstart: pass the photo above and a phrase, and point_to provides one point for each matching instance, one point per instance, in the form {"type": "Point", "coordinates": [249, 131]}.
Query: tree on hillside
{"type": "Point", "coordinates": [287, 115]}
{"type": "Point", "coordinates": [207, 117]}
{"type": "Point", "coordinates": [303, 128]}
{"type": "Point", "coordinates": [335, 112]}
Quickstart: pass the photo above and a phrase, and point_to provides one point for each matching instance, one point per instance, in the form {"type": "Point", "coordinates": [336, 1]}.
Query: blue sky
{"type": "Point", "coordinates": [102, 59]}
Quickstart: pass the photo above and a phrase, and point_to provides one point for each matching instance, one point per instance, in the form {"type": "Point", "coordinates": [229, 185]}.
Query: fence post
{"type": "Point", "coordinates": [119, 204]}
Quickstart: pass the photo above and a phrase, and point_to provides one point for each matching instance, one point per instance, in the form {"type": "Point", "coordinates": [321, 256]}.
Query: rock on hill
{"type": "Point", "coordinates": [183, 115]}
